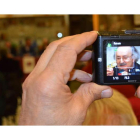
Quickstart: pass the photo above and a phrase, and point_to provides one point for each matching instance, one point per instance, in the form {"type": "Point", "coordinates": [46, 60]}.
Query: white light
{"type": "Point", "coordinates": [59, 35]}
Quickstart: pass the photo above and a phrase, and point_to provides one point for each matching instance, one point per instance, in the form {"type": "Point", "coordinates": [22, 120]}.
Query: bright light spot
{"type": "Point", "coordinates": [59, 35]}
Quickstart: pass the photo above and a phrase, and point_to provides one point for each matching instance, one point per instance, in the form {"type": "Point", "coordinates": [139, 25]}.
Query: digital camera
{"type": "Point", "coordinates": [116, 57]}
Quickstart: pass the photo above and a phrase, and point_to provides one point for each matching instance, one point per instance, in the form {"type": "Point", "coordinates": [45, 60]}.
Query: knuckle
{"type": "Point", "coordinates": [66, 48]}
{"type": "Point", "coordinates": [62, 46]}
{"type": "Point", "coordinates": [52, 44]}
{"type": "Point", "coordinates": [88, 88]}
{"type": "Point", "coordinates": [23, 86]}
{"type": "Point", "coordinates": [65, 45]}
{"type": "Point", "coordinates": [26, 84]}
{"type": "Point", "coordinates": [91, 90]}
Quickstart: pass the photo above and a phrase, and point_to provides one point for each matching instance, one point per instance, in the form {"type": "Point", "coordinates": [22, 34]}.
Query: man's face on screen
{"type": "Point", "coordinates": [124, 57]}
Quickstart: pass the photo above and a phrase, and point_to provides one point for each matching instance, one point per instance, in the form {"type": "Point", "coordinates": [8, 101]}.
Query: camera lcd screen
{"type": "Point", "coordinates": [122, 61]}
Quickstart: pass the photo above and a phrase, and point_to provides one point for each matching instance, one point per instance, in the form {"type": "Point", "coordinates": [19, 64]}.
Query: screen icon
{"type": "Point", "coordinates": [109, 45]}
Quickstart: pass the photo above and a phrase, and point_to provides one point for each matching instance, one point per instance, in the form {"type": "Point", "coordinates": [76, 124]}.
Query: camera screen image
{"type": "Point", "coordinates": [122, 60]}
{"type": "Point", "coordinates": [117, 58]}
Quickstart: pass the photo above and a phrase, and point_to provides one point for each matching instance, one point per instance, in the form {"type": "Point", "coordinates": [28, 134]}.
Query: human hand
{"type": "Point", "coordinates": [137, 93]}
{"type": "Point", "coordinates": [110, 72]}
{"type": "Point", "coordinates": [46, 99]}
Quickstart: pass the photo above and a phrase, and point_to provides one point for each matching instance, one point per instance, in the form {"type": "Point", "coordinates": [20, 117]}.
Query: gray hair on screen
{"type": "Point", "coordinates": [135, 53]}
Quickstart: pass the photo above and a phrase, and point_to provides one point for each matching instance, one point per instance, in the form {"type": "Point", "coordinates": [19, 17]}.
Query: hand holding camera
{"type": "Point", "coordinates": [48, 100]}
{"type": "Point", "coordinates": [46, 97]}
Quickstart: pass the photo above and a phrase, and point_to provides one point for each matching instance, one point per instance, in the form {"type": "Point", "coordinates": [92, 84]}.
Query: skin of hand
{"type": "Point", "coordinates": [110, 72]}
{"type": "Point", "coordinates": [137, 93]}
{"type": "Point", "coordinates": [46, 99]}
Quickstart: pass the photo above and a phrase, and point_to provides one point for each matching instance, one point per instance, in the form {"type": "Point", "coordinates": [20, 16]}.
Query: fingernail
{"type": "Point", "coordinates": [106, 93]}
{"type": "Point", "coordinates": [90, 75]}
{"type": "Point", "coordinates": [135, 94]}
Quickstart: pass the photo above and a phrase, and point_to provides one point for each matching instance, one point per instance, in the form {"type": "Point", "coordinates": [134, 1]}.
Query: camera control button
{"type": "Point", "coordinates": [114, 36]}
{"type": "Point", "coordinates": [132, 31]}
{"type": "Point", "coordinates": [99, 59]}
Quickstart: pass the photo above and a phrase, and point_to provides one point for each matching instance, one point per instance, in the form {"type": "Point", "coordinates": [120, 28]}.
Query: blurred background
{"type": "Point", "coordinates": [23, 38]}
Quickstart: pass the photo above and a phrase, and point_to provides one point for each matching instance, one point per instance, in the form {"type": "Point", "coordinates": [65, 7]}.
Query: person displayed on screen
{"type": "Point", "coordinates": [126, 60]}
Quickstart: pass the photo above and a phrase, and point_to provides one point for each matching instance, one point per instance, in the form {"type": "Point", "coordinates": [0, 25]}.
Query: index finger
{"type": "Point", "coordinates": [64, 58]}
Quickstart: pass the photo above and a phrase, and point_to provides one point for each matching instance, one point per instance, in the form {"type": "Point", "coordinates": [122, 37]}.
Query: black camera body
{"type": "Point", "coordinates": [116, 58]}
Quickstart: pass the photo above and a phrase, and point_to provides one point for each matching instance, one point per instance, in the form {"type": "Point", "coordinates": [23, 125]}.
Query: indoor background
{"type": "Point", "coordinates": [17, 31]}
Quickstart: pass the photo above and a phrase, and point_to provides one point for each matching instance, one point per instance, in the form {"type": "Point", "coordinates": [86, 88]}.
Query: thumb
{"type": "Point", "coordinates": [89, 92]}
